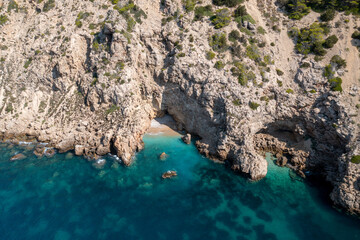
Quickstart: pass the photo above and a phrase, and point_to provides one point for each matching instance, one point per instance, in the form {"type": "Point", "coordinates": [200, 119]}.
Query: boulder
{"type": "Point", "coordinates": [186, 138]}
{"type": "Point", "coordinates": [79, 150]}
{"type": "Point", "coordinates": [163, 156]}
{"type": "Point", "coordinates": [18, 156]}
{"type": "Point", "coordinates": [281, 161]}
{"type": "Point", "coordinates": [39, 151]}
{"type": "Point", "coordinates": [50, 152]}
{"type": "Point", "coordinates": [169, 174]}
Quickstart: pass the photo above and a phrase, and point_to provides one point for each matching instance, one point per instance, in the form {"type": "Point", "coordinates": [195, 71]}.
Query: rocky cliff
{"type": "Point", "coordinates": [90, 75]}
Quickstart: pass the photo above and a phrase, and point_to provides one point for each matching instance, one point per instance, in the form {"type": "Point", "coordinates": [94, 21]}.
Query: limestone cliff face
{"type": "Point", "coordinates": [85, 76]}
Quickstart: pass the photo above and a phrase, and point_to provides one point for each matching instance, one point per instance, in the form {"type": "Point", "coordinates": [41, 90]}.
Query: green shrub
{"type": "Point", "coordinates": [27, 63]}
{"type": "Point", "coordinates": [355, 159]}
{"type": "Point", "coordinates": [297, 9]}
{"type": "Point", "coordinates": [253, 53]}
{"type": "Point", "coordinates": [210, 55]}
{"type": "Point", "coordinates": [309, 39]}
{"type": "Point", "coordinates": [356, 35]}
{"type": "Point", "coordinates": [221, 18]}
{"type": "Point", "coordinates": [189, 5]}
{"type": "Point", "coordinates": [240, 11]}
{"type": "Point", "coordinates": [50, 4]}
{"type": "Point", "coordinates": [3, 19]}
{"type": "Point", "coordinates": [219, 65]}
{"type": "Point", "coordinates": [328, 73]}
{"type": "Point", "coordinates": [328, 15]}
{"type": "Point", "coordinates": [261, 30]}
{"type": "Point", "coordinates": [335, 84]}
{"type": "Point", "coordinates": [330, 41]}
{"type": "Point", "coordinates": [338, 62]}
{"type": "Point", "coordinates": [236, 102]}
{"type": "Point", "coordinates": [228, 3]}
{"type": "Point", "coordinates": [289, 90]}
{"type": "Point", "coordinates": [253, 105]}
{"type": "Point", "coordinates": [279, 72]}
{"type": "Point", "coordinates": [318, 49]}
{"type": "Point", "coordinates": [201, 12]}
{"type": "Point", "coordinates": [234, 35]}
{"type": "Point", "coordinates": [305, 65]}
{"type": "Point", "coordinates": [180, 55]}
{"type": "Point", "coordinates": [218, 42]}
{"type": "Point", "coordinates": [112, 109]}
{"type": "Point", "coordinates": [13, 6]}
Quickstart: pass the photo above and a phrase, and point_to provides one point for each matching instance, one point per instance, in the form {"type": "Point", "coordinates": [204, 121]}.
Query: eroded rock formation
{"type": "Point", "coordinates": [85, 76]}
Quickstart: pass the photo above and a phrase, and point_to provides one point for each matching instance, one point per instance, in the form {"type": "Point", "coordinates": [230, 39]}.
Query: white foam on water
{"type": "Point", "coordinates": [25, 143]}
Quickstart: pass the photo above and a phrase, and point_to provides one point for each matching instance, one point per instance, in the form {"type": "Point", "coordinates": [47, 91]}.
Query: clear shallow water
{"type": "Point", "coordinates": [65, 197]}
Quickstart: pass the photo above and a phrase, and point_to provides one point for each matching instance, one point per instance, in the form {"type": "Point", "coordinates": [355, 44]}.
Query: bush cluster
{"type": "Point", "coordinates": [203, 11]}
{"type": "Point", "coordinates": [218, 42]}
{"type": "Point", "coordinates": [228, 3]}
{"type": "Point", "coordinates": [311, 39]}
{"type": "Point", "coordinates": [297, 9]}
{"type": "Point", "coordinates": [221, 18]}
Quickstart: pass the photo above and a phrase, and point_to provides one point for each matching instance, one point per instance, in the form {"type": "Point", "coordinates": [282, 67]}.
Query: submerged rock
{"type": "Point", "coordinates": [50, 152]}
{"type": "Point", "coordinates": [163, 156]}
{"type": "Point", "coordinates": [186, 138]}
{"type": "Point", "coordinates": [169, 174]}
{"type": "Point", "coordinates": [18, 156]}
{"type": "Point", "coordinates": [99, 164]}
{"type": "Point", "coordinates": [39, 151]}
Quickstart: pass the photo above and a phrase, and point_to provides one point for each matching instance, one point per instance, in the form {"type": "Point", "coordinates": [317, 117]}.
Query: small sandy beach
{"type": "Point", "coordinates": [163, 126]}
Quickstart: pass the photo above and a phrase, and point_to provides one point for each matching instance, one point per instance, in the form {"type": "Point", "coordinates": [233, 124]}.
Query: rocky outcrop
{"type": "Point", "coordinates": [91, 79]}
{"type": "Point", "coordinates": [18, 156]}
{"type": "Point", "coordinates": [169, 174]}
{"type": "Point", "coordinates": [186, 138]}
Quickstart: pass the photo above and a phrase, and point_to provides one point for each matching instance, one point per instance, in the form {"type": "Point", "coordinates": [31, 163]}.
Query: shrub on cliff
{"type": "Point", "coordinates": [253, 105]}
{"type": "Point", "coordinates": [221, 18]}
{"type": "Point", "coordinates": [201, 12]}
{"type": "Point", "coordinates": [50, 4]}
{"type": "Point", "coordinates": [218, 42]}
{"type": "Point", "coordinates": [355, 159]}
{"type": "Point", "coordinates": [13, 6]}
{"type": "Point", "coordinates": [189, 5]}
{"type": "Point", "coordinates": [228, 3]}
{"type": "Point", "coordinates": [310, 39]}
{"type": "Point", "coordinates": [335, 84]}
{"type": "Point", "coordinates": [356, 35]}
{"type": "Point", "coordinates": [210, 55]}
{"type": "Point", "coordinates": [219, 65]}
{"type": "Point", "coordinates": [297, 9]}
{"type": "Point", "coordinates": [3, 19]}
{"type": "Point", "coordinates": [328, 15]}
{"type": "Point", "coordinates": [330, 41]}
{"type": "Point", "coordinates": [234, 36]}
{"type": "Point", "coordinates": [240, 11]}
{"type": "Point", "coordinates": [338, 62]}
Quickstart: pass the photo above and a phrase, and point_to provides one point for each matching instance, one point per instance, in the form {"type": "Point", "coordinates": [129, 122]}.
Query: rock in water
{"type": "Point", "coordinates": [169, 174]}
{"type": "Point", "coordinates": [281, 161]}
{"type": "Point", "coordinates": [186, 138]}
{"type": "Point", "coordinates": [18, 156]}
{"type": "Point", "coordinates": [50, 152]}
{"type": "Point", "coordinates": [39, 151]}
{"type": "Point", "coordinates": [163, 156]}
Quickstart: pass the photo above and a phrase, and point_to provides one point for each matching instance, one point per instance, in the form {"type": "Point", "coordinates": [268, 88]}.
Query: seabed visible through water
{"type": "Point", "coordinates": [67, 197]}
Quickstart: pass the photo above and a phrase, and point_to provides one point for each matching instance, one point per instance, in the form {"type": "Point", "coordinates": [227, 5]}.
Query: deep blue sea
{"type": "Point", "coordinates": [67, 197]}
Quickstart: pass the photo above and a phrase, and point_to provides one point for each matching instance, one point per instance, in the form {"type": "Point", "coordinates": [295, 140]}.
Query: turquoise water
{"type": "Point", "coordinates": [66, 197]}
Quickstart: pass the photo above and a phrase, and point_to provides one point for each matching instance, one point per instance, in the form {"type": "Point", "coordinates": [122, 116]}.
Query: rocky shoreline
{"type": "Point", "coordinates": [93, 79]}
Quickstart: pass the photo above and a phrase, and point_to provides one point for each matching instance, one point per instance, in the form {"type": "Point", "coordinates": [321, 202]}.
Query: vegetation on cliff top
{"type": "Point", "coordinates": [297, 9]}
